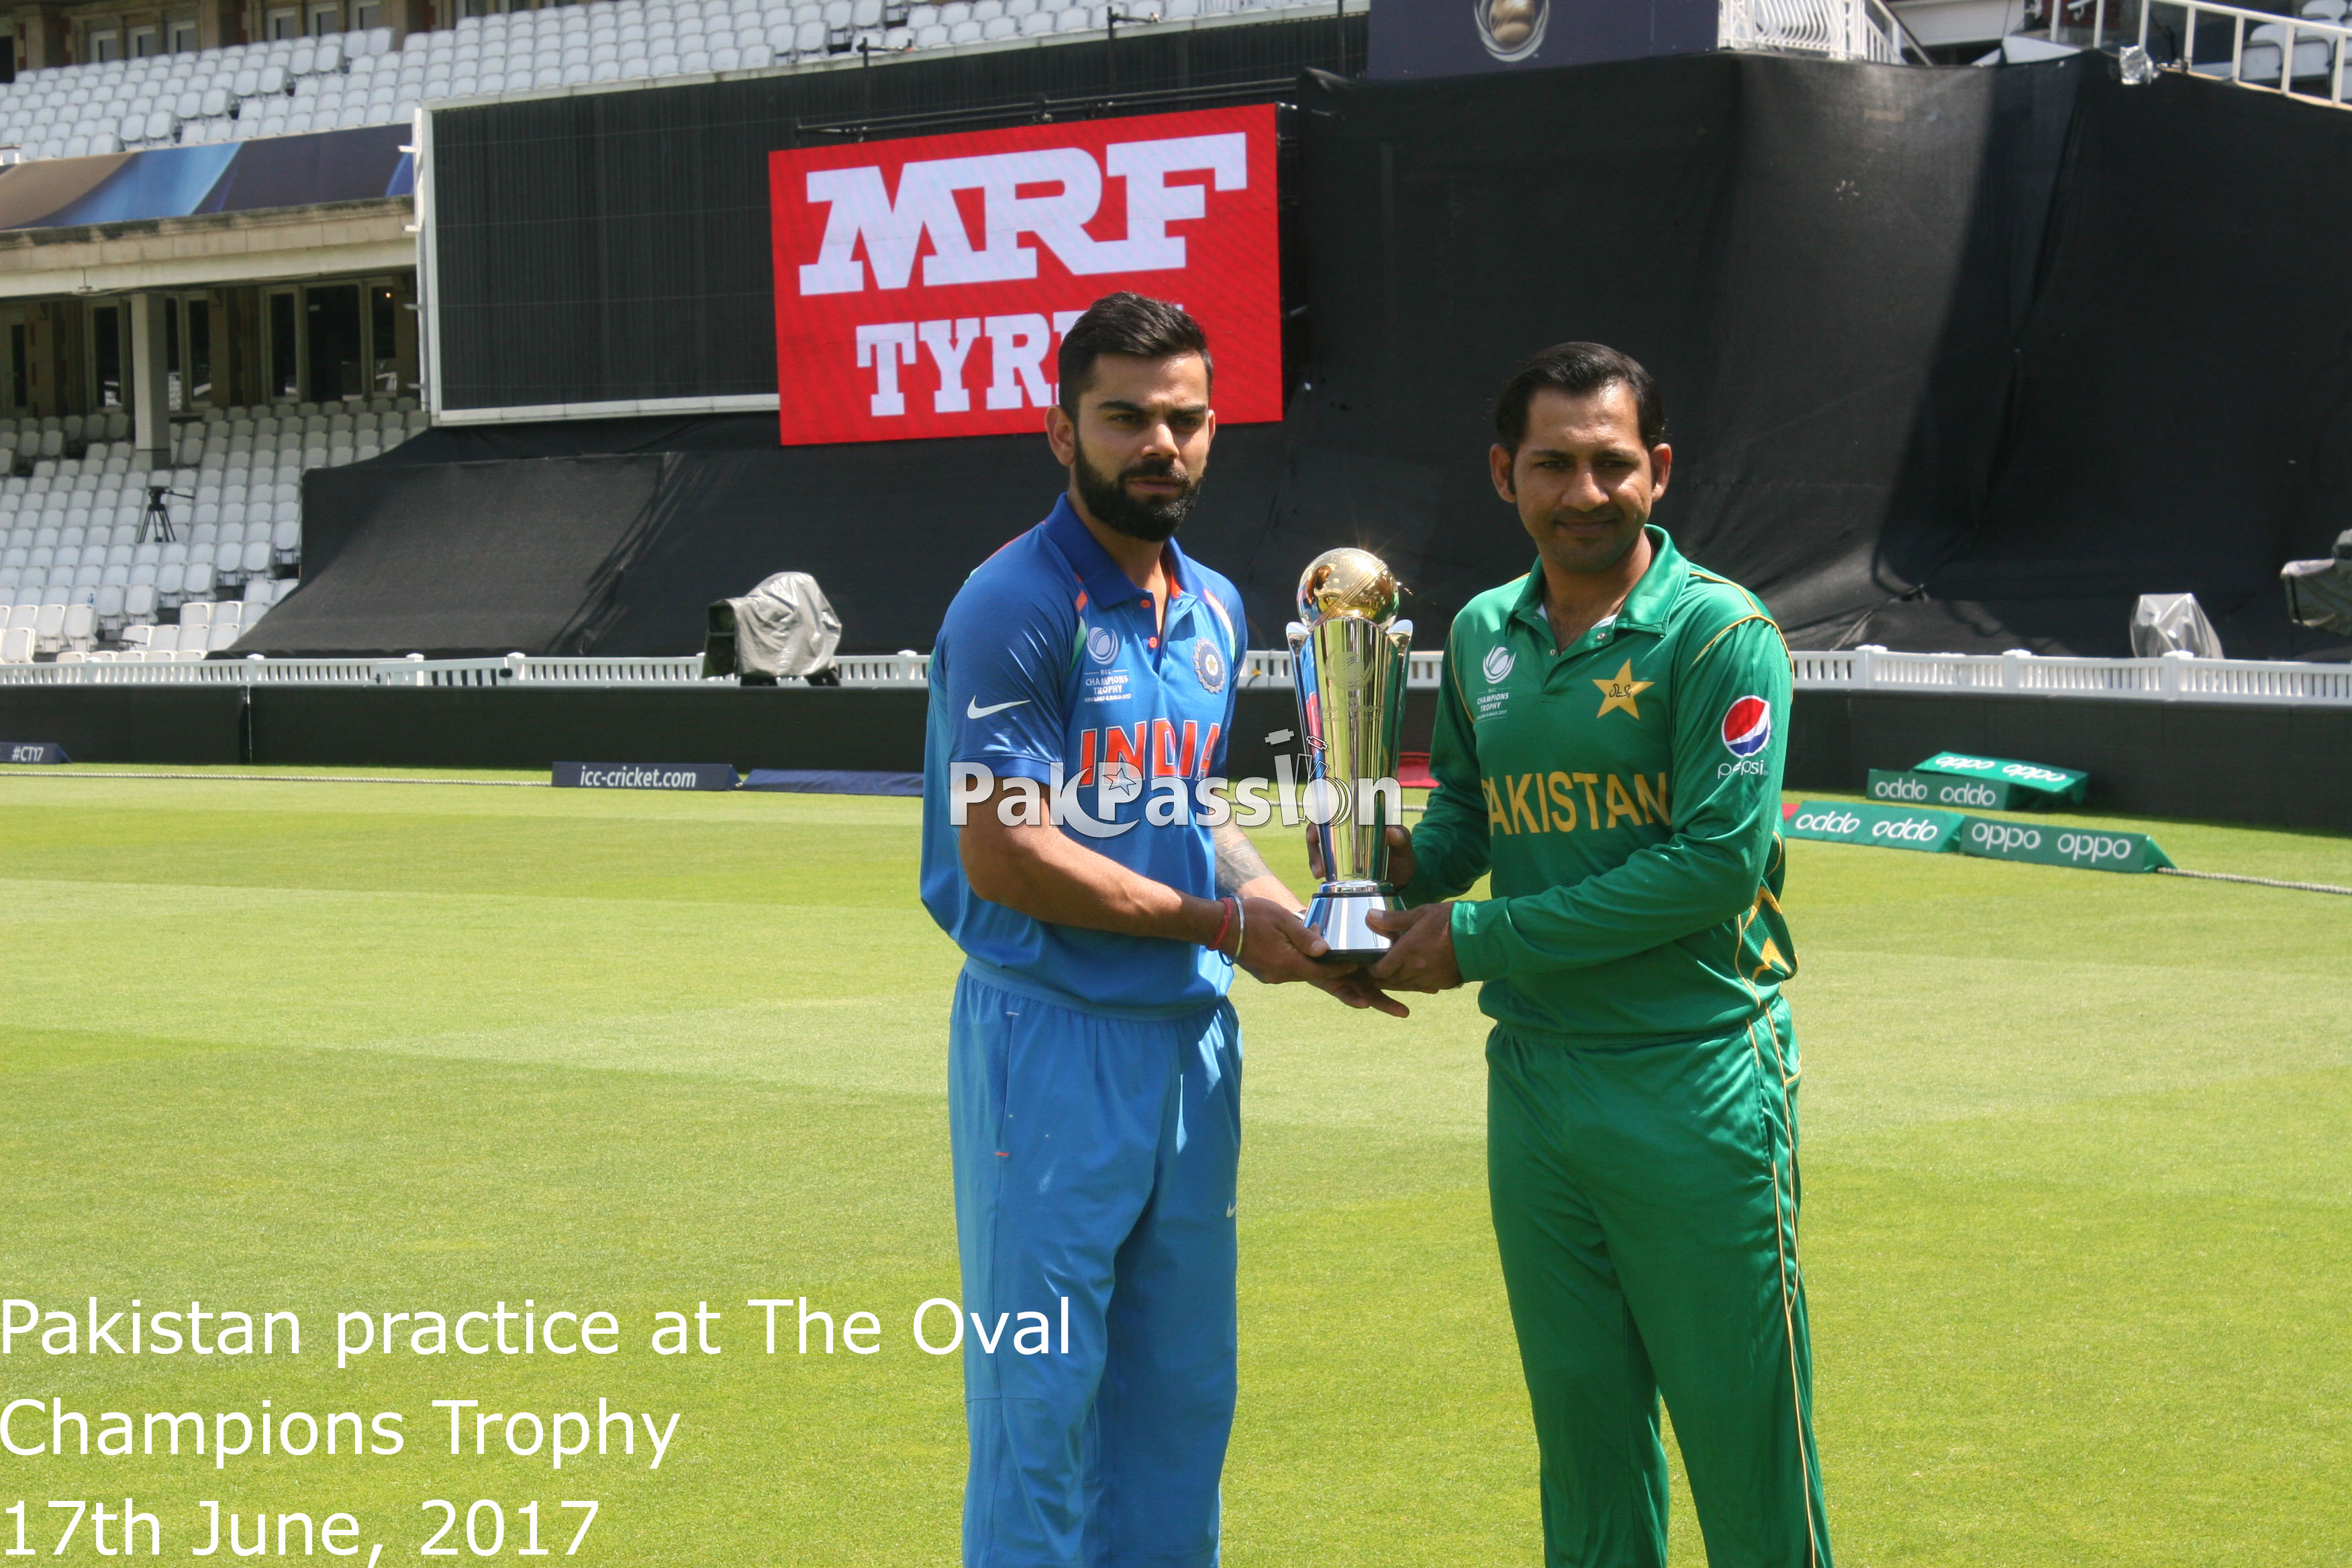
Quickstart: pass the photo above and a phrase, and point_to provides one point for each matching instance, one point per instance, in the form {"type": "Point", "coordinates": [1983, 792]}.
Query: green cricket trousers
{"type": "Point", "coordinates": [1645, 1206]}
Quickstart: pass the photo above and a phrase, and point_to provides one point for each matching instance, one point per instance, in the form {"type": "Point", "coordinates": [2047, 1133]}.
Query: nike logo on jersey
{"type": "Point", "coordinates": [972, 710]}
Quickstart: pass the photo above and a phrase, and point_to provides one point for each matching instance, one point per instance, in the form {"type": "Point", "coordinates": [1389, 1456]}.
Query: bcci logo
{"type": "Point", "coordinates": [1102, 645]}
{"type": "Point", "coordinates": [1512, 30]}
{"type": "Point", "coordinates": [1498, 665]}
{"type": "Point", "coordinates": [1209, 665]}
{"type": "Point", "coordinates": [1748, 727]}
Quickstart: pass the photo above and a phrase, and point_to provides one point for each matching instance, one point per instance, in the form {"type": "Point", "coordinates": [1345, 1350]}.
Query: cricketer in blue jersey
{"type": "Point", "coordinates": [1082, 692]}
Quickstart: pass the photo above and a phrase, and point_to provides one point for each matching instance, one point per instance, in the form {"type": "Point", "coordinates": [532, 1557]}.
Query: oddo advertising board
{"type": "Point", "coordinates": [923, 284]}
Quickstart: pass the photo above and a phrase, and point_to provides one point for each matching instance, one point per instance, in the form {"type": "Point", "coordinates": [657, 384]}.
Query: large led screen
{"type": "Point", "coordinates": [923, 285]}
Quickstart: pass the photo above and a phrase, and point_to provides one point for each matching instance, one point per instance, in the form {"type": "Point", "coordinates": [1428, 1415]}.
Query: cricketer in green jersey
{"type": "Point", "coordinates": [1608, 746]}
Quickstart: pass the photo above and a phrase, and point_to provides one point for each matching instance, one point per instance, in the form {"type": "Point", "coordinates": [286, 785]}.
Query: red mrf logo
{"type": "Point", "coordinates": [923, 286]}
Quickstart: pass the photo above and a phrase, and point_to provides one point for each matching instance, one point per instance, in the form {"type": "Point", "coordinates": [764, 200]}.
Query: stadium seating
{"type": "Point", "coordinates": [351, 79]}
{"type": "Point", "coordinates": [70, 531]}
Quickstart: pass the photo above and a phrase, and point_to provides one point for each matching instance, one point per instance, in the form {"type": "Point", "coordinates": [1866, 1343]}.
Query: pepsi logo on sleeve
{"type": "Point", "coordinates": [1748, 727]}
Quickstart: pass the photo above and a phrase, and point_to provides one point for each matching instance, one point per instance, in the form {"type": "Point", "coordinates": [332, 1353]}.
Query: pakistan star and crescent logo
{"type": "Point", "coordinates": [1621, 689]}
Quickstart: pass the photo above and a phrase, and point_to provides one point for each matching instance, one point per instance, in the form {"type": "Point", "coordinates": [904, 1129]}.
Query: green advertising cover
{"type": "Point", "coordinates": [1886, 826]}
{"type": "Point", "coordinates": [1945, 791]}
{"type": "Point", "coordinates": [2033, 781]}
{"type": "Point", "coordinates": [2097, 850]}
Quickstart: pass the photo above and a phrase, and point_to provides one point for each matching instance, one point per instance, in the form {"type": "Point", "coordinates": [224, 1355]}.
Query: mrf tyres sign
{"type": "Point", "coordinates": [923, 285]}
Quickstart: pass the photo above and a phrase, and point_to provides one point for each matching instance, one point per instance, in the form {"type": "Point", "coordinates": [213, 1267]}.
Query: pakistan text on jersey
{"type": "Point", "coordinates": [1550, 802]}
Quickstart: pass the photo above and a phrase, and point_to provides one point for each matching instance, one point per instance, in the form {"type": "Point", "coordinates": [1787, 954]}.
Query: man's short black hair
{"type": "Point", "coordinates": [1125, 323]}
{"type": "Point", "coordinates": [1578, 370]}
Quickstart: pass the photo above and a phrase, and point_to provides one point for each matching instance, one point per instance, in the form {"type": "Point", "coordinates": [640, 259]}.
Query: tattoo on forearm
{"type": "Point", "coordinates": [1238, 862]}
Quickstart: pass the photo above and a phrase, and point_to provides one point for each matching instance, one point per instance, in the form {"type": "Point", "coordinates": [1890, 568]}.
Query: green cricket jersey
{"type": "Point", "coordinates": [1625, 794]}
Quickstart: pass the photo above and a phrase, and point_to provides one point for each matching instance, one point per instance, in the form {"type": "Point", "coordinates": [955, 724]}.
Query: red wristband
{"type": "Point", "coordinates": [1224, 924]}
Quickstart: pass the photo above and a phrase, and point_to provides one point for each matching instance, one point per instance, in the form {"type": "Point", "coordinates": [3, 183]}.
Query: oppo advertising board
{"type": "Point", "coordinates": [923, 284]}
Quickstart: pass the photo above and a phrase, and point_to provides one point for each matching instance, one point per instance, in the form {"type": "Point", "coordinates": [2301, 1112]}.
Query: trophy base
{"type": "Point", "coordinates": [1337, 915]}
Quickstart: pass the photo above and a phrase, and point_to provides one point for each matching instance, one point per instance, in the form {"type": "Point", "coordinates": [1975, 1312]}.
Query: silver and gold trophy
{"type": "Point", "coordinates": [1349, 656]}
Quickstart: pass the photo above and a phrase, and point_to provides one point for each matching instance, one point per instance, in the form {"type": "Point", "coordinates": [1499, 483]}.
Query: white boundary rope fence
{"type": "Point", "coordinates": [2172, 678]}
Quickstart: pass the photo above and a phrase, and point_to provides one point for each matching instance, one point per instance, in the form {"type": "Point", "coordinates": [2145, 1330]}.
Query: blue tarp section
{"type": "Point", "coordinates": [163, 182]}
{"type": "Point", "coordinates": [299, 171]}
{"type": "Point", "coordinates": [226, 177]}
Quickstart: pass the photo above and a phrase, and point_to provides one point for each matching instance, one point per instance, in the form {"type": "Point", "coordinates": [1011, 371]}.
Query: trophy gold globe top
{"type": "Point", "coordinates": [1350, 584]}
{"type": "Point", "coordinates": [1350, 661]}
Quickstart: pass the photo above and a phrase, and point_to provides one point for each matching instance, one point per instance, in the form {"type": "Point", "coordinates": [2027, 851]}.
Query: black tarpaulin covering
{"type": "Point", "coordinates": [1955, 360]}
{"type": "Point", "coordinates": [456, 559]}
{"type": "Point", "coordinates": [436, 548]}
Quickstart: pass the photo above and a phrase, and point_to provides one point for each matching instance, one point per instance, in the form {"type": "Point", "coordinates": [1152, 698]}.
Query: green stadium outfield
{"type": "Point", "coordinates": [2078, 1224]}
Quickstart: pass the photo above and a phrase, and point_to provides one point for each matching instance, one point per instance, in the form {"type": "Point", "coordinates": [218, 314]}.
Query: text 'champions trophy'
{"type": "Point", "coordinates": [1349, 655]}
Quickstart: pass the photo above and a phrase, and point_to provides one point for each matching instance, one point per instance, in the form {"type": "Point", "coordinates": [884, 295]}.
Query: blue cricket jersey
{"type": "Point", "coordinates": [1048, 667]}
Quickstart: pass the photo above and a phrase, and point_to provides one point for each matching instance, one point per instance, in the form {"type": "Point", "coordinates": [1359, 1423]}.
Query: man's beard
{"type": "Point", "coordinates": [1154, 519]}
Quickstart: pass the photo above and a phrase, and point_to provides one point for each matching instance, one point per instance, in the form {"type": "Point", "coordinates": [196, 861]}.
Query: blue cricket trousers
{"type": "Point", "coordinates": [1094, 1162]}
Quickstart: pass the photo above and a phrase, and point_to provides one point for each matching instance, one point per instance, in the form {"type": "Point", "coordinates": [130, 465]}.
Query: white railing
{"type": "Point", "coordinates": [514, 669]}
{"type": "Point", "coordinates": [885, 669]}
{"type": "Point", "coordinates": [2174, 677]}
{"type": "Point", "coordinates": [1840, 30]}
{"type": "Point", "coordinates": [1271, 668]}
{"type": "Point", "coordinates": [2299, 56]}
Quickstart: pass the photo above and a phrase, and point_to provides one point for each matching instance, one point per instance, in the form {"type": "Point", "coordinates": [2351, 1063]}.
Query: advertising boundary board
{"type": "Point", "coordinates": [196, 724]}
{"type": "Point", "coordinates": [32, 753]}
{"type": "Point", "coordinates": [1934, 832]}
{"type": "Point", "coordinates": [2276, 764]}
{"type": "Point", "coordinates": [1874, 826]}
{"type": "Point", "coordinates": [1944, 792]}
{"type": "Point", "coordinates": [493, 727]}
{"type": "Point", "coordinates": [2280, 765]}
{"type": "Point", "coordinates": [644, 775]}
{"type": "Point", "coordinates": [2043, 844]}
{"type": "Point", "coordinates": [2030, 779]}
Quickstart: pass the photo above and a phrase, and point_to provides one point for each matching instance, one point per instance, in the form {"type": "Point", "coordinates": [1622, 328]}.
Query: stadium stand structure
{"type": "Point", "coordinates": [366, 78]}
{"type": "Point", "coordinates": [555, 291]}
{"type": "Point", "coordinates": [209, 274]}
{"type": "Point", "coordinates": [83, 566]}
{"type": "Point", "coordinates": [1951, 509]}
